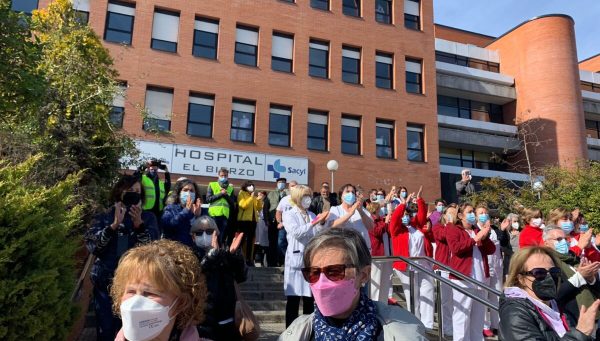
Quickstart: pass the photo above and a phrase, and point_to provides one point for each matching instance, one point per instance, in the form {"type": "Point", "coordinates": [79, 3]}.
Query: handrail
{"type": "Point", "coordinates": [439, 279]}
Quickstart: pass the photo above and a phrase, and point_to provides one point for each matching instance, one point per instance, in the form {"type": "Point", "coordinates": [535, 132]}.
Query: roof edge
{"type": "Point", "coordinates": [466, 31]}
{"type": "Point", "coordinates": [559, 15]}
{"type": "Point", "coordinates": [588, 58]}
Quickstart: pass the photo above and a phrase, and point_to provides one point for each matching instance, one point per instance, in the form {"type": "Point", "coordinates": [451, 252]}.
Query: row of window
{"type": "Point", "coordinates": [158, 104]}
{"type": "Point", "coordinates": [384, 10]}
{"type": "Point", "coordinates": [467, 61]}
{"type": "Point", "coordinates": [592, 129]}
{"type": "Point", "coordinates": [119, 27]}
{"type": "Point", "coordinates": [593, 87]}
{"type": "Point", "coordinates": [464, 108]}
{"type": "Point", "coordinates": [469, 159]}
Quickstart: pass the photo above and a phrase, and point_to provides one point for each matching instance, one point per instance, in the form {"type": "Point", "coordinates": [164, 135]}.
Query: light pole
{"type": "Point", "coordinates": [332, 165]}
{"type": "Point", "coordinates": [538, 187]}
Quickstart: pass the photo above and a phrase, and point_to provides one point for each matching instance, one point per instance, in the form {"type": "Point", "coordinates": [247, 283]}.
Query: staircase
{"type": "Point", "coordinates": [264, 293]}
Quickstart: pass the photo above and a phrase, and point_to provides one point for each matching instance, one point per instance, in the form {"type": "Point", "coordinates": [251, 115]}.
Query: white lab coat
{"type": "Point", "coordinates": [299, 233]}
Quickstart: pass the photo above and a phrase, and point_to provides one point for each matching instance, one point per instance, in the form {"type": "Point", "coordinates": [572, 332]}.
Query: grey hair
{"type": "Point", "coordinates": [511, 216]}
{"type": "Point", "coordinates": [224, 170]}
{"type": "Point", "coordinates": [204, 223]}
{"type": "Point", "coordinates": [355, 247]}
{"type": "Point", "coordinates": [546, 231]}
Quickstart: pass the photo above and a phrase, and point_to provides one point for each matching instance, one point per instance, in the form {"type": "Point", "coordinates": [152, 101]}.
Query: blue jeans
{"type": "Point", "coordinates": [107, 324]}
{"type": "Point", "coordinates": [282, 243]}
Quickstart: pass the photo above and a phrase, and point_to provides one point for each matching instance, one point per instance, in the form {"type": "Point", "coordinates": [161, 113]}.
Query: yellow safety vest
{"type": "Point", "coordinates": [150, 193]}
{"type": "Point", "coordinates": [219, 207]}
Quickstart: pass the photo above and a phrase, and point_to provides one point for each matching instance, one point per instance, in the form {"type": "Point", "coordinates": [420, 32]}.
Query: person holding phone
{"type": "Point", "coordinates": [155, 189]}
{"type": "Point", "coordinates": [123, 226]}
{"type": "Point", "coordinates": [179, 216]}
{"type": "Point", "coordinates": [464, 187]}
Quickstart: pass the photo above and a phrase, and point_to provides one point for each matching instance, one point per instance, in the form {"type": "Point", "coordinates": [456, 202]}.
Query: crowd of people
{"type": "Point", "coordinates": [163, 256]}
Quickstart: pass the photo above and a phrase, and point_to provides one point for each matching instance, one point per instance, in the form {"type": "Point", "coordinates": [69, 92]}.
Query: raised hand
{"type": "Point", "coordinates": [136, 216]}
{"type": "Point", "coordinates": [119, 216]}
{"type": "Point", "coordinates": [196, 207]}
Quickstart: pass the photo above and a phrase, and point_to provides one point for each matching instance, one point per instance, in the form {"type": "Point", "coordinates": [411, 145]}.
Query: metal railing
{"type": "Point", "coordinates": [436, 275]}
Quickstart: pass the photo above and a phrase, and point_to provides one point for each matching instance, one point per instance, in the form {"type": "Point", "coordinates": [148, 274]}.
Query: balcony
{"type": "Point", "coordinates": [477, 135]}
{"type": "Point", "coordinates": [485, 173]}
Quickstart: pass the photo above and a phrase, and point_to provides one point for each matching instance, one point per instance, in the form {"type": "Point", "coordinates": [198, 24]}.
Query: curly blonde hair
{"type": "Point", "coordinates": [171, 267]}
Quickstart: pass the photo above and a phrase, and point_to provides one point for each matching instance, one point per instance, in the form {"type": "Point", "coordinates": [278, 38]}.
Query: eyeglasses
{"type": "Point", "coordinates": [335, 272]}
{"type": "Point", "coordinates": [559, 239]}
{"type": "Point", "coordinates": [380, 194]}
{"type": "Point", "coordinates": [541, 273]}
{"type": "Point", "coordinates": [201, 232]}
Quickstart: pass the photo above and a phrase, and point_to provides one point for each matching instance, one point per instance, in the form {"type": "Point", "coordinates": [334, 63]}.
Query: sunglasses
{"type": "Point", "coordinates": [335, 272]}
{"type": "Point", "coordinates": [201, 232]}
{"type": "Point", "coordinates": [541, 273]}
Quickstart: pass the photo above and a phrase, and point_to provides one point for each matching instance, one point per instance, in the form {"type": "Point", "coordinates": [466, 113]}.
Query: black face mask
{"type": "Point", "coordinates": [131, 198]}
{"type": "Point", "coordinates": [545, 289]}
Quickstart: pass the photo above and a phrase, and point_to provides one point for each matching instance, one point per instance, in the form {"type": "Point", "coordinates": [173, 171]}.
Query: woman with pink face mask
{"type": "Point", "coordinates": [337, 263]}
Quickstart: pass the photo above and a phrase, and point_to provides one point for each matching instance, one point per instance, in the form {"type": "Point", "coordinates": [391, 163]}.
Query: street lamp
{"type": "Point", "coordinates": [332, 165]}
{"type": "Point", "coordinates": [538, 187]}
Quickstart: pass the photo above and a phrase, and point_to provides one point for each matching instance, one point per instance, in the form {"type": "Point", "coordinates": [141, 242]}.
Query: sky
{"type": "Point", "coordinates": [495, 17]}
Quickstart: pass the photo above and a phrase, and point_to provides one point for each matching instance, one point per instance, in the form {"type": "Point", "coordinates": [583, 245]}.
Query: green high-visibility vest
{"type": "Point", "coordinates": [150, 193]}
{"type": "Point", "coordinates": [219, 207]}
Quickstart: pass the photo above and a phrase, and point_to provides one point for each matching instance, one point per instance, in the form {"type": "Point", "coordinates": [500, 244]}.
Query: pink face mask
{"type": "Point", "coordinates": [333, 298]}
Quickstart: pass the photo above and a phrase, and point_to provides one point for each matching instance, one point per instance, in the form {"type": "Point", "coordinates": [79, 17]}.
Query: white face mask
{"type": "Point", "coordinates": [144, 319]}
{"type": "Point", "coordinates": [515, 225]}
{"type": "Point", "coordinates": [536, 222]}
{"type": "Point", "coordinates": [306, 201]}
{"type": "Point", "coordinates": [250, 189]}
{"type": "Point", "coordinates": [204, 241]}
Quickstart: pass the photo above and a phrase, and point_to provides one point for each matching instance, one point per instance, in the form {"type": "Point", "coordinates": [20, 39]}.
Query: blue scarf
{"type": "Point", "coordinates": [362, 325]}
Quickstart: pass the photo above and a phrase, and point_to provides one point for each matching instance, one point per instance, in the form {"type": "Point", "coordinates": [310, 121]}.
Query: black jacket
{"type": "Point", "coordinates": [519, 320]}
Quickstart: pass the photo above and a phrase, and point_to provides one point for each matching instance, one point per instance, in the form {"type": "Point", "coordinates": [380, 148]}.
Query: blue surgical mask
{"type": "Point", "coordinates": [483, 218]}
{"type": "Point", "coordinates": [567, 226]}
{"type": "Point", "coordinates": [280, 186]}
{"type": "Point", "coordinates": [439, 208]}
{"type": "Point", "coordinates": [222, 179]}
{"type": "Point", "coordinates": [349, 198]}
{"type": "Point", "coordinates": [183, 197]}
{"type": "Point", "coordinates": [584, 228]}
{"type": "Point", "coordinates": [380, 197]}
{"type": "Point", "coordinates": [561, 247]}
{"type": "Point", "coordinates": [403, 195]}
{"type": "Point", "coordinates": [471, 218]}
{"type": "Point", "coordinates": [405, 220]}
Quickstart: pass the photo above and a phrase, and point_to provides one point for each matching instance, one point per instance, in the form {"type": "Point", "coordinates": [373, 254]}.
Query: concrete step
{"type": "Point", "coordinates": [264, 270]}
{"type": "Point", "coordinates": [272, 305]}
{"type": "Point", "coordinates": [267, 295]}
{"type": "Point", "coordinates": [271, 331]}
{"type": "Point", "coordinates": [261, 286]}
{"type": "Point", "coordinates": [265, 278]}
{"type": "Point", "coordinates": [270, 316]}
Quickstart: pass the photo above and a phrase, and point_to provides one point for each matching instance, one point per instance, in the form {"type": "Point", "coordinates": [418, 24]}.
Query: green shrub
{"type": "Point", "coordinates": [37, 270]}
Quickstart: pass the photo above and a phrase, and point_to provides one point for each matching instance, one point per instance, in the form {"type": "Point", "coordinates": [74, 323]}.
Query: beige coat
{"type": "Point", "coordinates": [398, 325]}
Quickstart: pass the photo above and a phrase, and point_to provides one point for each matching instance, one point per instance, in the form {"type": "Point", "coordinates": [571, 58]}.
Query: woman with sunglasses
{"type": "Point", "coordinates": [529, 311]}
{"type": "Point", "coordinates": [337, 263]}
{"type": "Point", "coordinates": [300, 225]}
{"type": "Point", "coordinates": [222, 269]}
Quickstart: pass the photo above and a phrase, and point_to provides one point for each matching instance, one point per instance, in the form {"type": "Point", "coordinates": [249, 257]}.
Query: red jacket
{"type": "Point", "coordinates": [530, 236]}
{"type": "Point", "coordinates": [590, 252]}
{"type": "Point", "coordinates": [376, 235]}
{"type": "Point", "coordinates": [442, 251]}
{"type": "Point", "coordinates": [400, 232]}
{"type": "Point", "coordinates": [461, 248]}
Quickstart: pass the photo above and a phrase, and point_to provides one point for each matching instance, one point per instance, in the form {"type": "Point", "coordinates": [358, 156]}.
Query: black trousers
{"type": "Point", "coordinates": [249, 230]}
{"type": "Point", "coordinates": [273, 251]}
{"type": "Point", "coordinates": [293, 304]}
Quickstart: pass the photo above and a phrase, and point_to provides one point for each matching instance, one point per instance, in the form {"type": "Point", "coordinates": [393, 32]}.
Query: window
{"type": "Point", "coordinates": [464, 108]}
{"type": "Point", "coordinates": [414, 143]}
{"type": "Point", "coordinates": [200, 115]}
{"type": "Point", "coordinates": [165, 29]}
{"type": "Point", "coordinates": [468, 159]}
{"type": "Point", "coordinates": [317, 130]}
{"type": "Point", "coordinates": [384, 70]}
{"type": "Point", "coordinates": [484, 65]}
{"type": "Point", "coordinates": [25, 6]}
{"type": "Point", "coordinates": [383, 11]}
{"type": "Point", "coordinates": [350, 65]}
{"type": "Point", "coordinates": [282, 52]}
{"type": "Point", "coordinates": [318, 59]}
{"type": "Point", "coordinates": [246, 45]}
{"type": "Point", "coordinates": [412, 14]}
{"type": "Point", "coordinates": [592, 129]}
{"type": "Point", "coordinates": [588, 86]}
{"type": "Point", "coordinates": [242, 121]}
{"type": "Point", "coordinates": [82, 10]}
{"type": "Point", "coordinates": [159, 102]}
{"type": "Point", "coordinates": [413, 76]}
{"type": "Point", "coordinates": [351, 7]}
{"type": "Point", "coordinates": [468, 62]}
{"type": "Point", "coordinates": [206, 38]}
{"type": "Point", "coordinates": [320, 4]}
{"type": "Point", "coordinates": [384, 139]}
{"type": "Point", "coordinates": [117, 108]}
{"type": "Point", "coordinates": [280, 120]}
{"type": "Point", "coordinates": [350, 135]}
{"type": "Point", "coordinates": [119, 22]}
